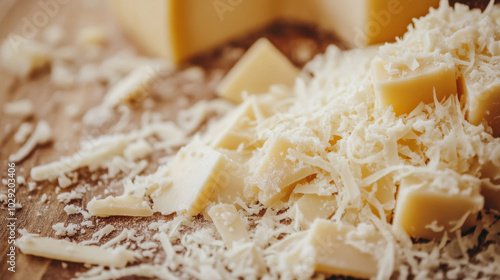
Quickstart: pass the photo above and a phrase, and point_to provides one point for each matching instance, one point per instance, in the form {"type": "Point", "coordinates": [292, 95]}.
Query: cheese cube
{"type": "Point", "coordinates": [274, 173]}
{"type": "Point", "coordinates": [228, 223]}
{"type": "Point", "coordinates": [262, 65]}
{"type": "Point", "coordinates": [429, 206]}
{"type": "Point", "coordinates": [125, 205]}
{"type": "Point", "coordinates": [197, 173]}
{"type": "Point", "coordinates": [404, 88]}
{"type": "Point", "coordinates": [312, 206]}
{"type": "Point", "coordinates": [335, 253]}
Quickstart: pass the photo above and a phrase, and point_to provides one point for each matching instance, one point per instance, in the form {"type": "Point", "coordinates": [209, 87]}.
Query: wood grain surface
{"type": "Point", "coordinates": [51, 103]}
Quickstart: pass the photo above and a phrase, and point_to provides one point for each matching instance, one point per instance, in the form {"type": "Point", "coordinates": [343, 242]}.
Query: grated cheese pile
{"type": "Point", "coordinates": [349, 154]}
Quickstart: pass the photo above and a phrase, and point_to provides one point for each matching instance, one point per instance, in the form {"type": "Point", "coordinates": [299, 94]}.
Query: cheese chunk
{"type": "Point", "coordinates": [334, 252]}
{"type": "Point", "coordinates": [483, 101]}
{"type": "Point", "coordinates": [236, 170]}
{"type": "Point", "coordinates": [404, 88]}
{"type": "Point", "coordinates": [312, 206]}
{"type": "Point", "coordinates": [262, 66]}
{"type": "Point", "coordinates": [274, 173]}
{"type": "Point", "coordinates": [67, 251]}
{"type": "Point", "coordinates": [428, 207]}
{"type": "Point", "coordinates": [125, 205]}
{"type": "Point", "coordinates": [228, 223]}
{"type": "Point", "coordinates": [197, 173]}
{"type": "Point", "coordinates": [177, 30]}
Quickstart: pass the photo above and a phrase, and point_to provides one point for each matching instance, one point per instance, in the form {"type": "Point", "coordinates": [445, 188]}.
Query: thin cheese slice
{"type": "Point", "coordinates": [237, 128]}
{"type": "Point", "coordinates": [196, 173]}
{"type": "Point", "coordinates": [404, 88]}
{"type": "Point", "coordinates": [228, 223]}
{"type": "Point", "coordinates": [262, 65]}
{"type": "Point", "coordinates": [274, 173]}
{"type": "Point", "coordinates": [427, 207]}
{"type": "Point", "coordinates": [312, 206]}
{"type": "Point", "coordinates": [334, 253]}
{"type": "Point", "coordinates": [237, 169]}
{"type": "Point", "coordinates": [67, 251]}
{"type": "Point", "coordinates": [125, 205]}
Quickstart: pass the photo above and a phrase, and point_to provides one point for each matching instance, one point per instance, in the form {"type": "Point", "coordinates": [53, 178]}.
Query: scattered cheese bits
{"type": "Point", "coordinates": [229, 223]}
{"type": "Point", "coordinates": [125, 205]}
{"type": "Point", "coordinates": [24, 130]}
{"type": "Point", "coordinates": [21, 109]}
{"type": "Point", "coordinates": [41, 135]}
{"type": "Point", "coordinates": [67, 251]}
{"type": "Point", "coordinates": [23, 57]}
{"type": "Point", "coordinates": [262, 66]}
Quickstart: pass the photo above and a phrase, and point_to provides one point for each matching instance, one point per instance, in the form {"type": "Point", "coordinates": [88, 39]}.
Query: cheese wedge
{"type": "Point", "coordinates": [311, 206]}
{"type": "Point", "coordinates": [180, 29]}
{"type": "Point", "coordinates": [176, 30]}
{"type": "Point", "coordinates": [262, 65]}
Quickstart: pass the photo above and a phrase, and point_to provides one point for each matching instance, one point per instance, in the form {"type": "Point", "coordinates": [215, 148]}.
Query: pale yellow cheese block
{"type": "Point", "coordinates": [333, 253]}
{"type": "Point", "coordinates": [125, 205]}
{"type": "Point", "coordinates": [426, 211]}
{"type": "Point", "coordinates": [405, 89]}
{"type": "Point", "coordinates": [261, 66]}
{"type": "Point", "coordinates": [274, 174]}
{"type": "Point", "coordinates": [228, 223]}
{"type": "Point", "coordinates": [180, 29]}
{"type": "Point", "coordinates": [197, 173]}
{"type": "Point", "coordinates": [67, 251]}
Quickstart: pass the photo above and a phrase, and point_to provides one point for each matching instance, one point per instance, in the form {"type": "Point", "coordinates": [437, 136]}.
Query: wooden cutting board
{"type": "Point", "coordinates": [29, 18]}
